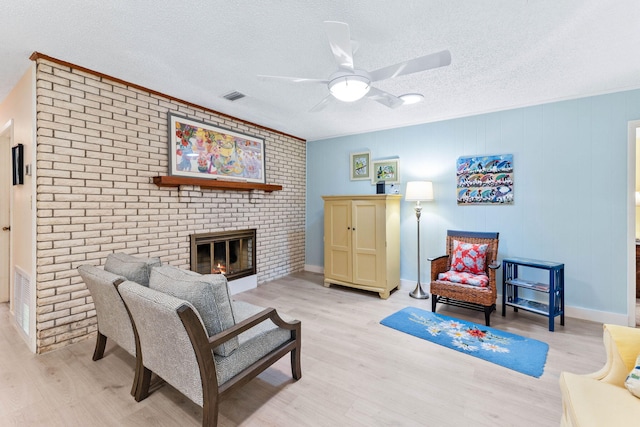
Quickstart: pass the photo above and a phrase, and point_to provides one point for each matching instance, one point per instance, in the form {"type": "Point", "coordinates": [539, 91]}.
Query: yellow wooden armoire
{"type": "Point", "coordinates": [362, 242]}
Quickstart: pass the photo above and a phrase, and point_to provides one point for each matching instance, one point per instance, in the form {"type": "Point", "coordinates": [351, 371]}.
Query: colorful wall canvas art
{"type": "Point", "coordinates": [485, 179]}
{"type": "Point", "coordinates": [201, 150]}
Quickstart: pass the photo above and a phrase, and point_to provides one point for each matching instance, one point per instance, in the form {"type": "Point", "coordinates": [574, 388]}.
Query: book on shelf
{"type": "Point", "coordinates": [540, 287]}
{"type": "Point", "coordinates": [529, 284]}
{"type": "Point", "coordinates": [520, 282]}
{"type": "Point", "coordinates": [535, 305]}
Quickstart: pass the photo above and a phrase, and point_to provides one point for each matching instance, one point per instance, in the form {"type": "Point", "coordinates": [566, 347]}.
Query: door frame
{"type": "Point", "coordinates": [6, 131]}
{"type": "Point", "coordinates": [631, 222]}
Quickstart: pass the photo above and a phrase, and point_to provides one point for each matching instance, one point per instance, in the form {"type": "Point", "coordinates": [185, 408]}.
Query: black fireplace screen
{"type": "Point", "coordinates": [231, 253]}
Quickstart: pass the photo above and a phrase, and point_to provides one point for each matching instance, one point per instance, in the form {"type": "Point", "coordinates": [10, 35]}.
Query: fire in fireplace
{"type": "Point", "coordinates": [232, 253]}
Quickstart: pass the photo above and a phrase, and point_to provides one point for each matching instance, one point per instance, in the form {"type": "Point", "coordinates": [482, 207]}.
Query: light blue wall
{"type": "Point", "coordinates": [570, 188]}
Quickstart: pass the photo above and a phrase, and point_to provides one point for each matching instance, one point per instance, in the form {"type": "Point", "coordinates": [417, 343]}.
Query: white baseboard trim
{"type": "Point", "coordinates": [243, 284]}
{"type": "Point", "coordinates": [574, 312]}
{"type": "Point", "coordinates": [314, 268]}
{"type": "Point", "coordinates": [409, 285]}
{"type": "Point", "coordinates": [596, 316]}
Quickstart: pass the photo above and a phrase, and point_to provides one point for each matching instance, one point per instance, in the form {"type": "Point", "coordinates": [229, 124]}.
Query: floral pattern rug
{"type": "Point", "coordinates": [512, 351]}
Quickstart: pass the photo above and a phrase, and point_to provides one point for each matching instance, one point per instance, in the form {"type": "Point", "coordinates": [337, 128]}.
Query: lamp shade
{"type": "Point", "coordinates": [637, 198]}
{"type": "Point", "coordinates": [419, 191]}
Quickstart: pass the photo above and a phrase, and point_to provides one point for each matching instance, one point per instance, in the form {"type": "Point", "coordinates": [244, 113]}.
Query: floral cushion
{"type": "Point", "coordinates": [464, 278]}
{"type": "Point", "coordinates": [469, 257]}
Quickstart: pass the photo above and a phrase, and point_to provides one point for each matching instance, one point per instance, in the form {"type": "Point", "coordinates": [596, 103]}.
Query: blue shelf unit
{"type": "Point", "coordinates": [512, 283]}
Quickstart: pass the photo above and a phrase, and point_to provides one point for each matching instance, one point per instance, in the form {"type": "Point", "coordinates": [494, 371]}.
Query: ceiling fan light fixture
{"type": "Point", "coordinates": [349, 88]}
{"type": "Point", "coordinates": [411, 98]}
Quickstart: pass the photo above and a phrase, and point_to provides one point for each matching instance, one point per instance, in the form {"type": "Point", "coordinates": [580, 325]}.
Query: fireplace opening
{"type": "Point", "coordinates": [231, 253]}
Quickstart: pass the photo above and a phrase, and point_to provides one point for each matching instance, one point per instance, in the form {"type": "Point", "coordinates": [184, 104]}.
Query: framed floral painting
{"type": "Point", "coordinates": [360, 166]}
{"type": "Point", "coordinates": [386, 170]}
{"type": "Point", "coordinates": [202, 150]}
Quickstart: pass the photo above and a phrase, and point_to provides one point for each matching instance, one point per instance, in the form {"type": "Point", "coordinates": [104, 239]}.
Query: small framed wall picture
{"type": "Point", "coordinates": [17, 160]}
{"type": "Point", "coordinates": [360, 166]}
{"type": "Point", "coordinates": [385, 170]}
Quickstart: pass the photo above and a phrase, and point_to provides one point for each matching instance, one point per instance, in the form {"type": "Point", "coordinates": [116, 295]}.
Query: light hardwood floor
{"type": "Point", "coordinates": [355, 372]}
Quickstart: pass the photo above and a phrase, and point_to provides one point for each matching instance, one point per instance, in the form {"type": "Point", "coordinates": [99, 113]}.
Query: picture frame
{"type": "Point", "coordinates": [387, 170]}
{"type": "Point", "coordinates": [484, 180]}
{"type": "Point", "coordinates": [17, 162]}
{"type": "Point", "coordinates": [202, 150]}
{"type": "Point", "coordinates": [360, 166]}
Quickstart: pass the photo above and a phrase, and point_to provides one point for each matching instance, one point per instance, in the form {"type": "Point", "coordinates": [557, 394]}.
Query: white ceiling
{"type": "Point", "coordinates": [505, 53]}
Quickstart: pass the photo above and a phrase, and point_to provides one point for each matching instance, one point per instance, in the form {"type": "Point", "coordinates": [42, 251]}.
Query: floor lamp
{"type": "Point", "coordinates": [419, 191]}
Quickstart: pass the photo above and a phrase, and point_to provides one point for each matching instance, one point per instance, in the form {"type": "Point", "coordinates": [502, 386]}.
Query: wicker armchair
{"type": "Point", "coordinates": [464, 295]}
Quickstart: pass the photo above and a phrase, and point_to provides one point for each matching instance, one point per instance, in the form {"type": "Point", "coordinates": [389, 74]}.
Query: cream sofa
{"type": "Point", "coordinates": [601, 399]}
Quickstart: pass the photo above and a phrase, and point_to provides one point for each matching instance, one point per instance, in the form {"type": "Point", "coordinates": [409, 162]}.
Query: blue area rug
{"type": "Point", "coordinates": [512, 351]}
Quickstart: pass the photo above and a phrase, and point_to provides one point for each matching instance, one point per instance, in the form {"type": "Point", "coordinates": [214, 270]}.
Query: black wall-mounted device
{"type": "Point", "coordinates": [17, 158]}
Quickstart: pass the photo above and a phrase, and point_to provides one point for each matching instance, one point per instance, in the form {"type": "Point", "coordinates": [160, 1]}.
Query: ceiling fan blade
{"type": "Point", "coordinates": [354, 47]}
{"type": "Point", "coordinates": [384, 98]}
{"type": "Point", "coordinates": [340, 43]}
{"type": "Point", "coordinates": [423, 63]}
{"type": "Point", "coordinates": [320, 105]}
{"type": "Point", "coordinates": [293, 79]}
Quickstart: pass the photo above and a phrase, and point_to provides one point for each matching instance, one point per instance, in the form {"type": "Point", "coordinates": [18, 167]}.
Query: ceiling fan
{"type": "Point", "coordinates": [350, 84]}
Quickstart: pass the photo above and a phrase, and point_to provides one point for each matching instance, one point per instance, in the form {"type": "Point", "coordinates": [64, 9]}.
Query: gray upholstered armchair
{"type": "Point", "coordinates": [113, 320]}
{"type": "Point", "coordinates": [208, 346]}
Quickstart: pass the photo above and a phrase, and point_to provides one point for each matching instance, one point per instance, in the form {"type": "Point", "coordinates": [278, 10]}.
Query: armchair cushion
{"type": "Point", "coordinates": [469, 257]}
{"type": "Point", "coordinates": [132, 268]}
{"type": "Point", "coordinates": [254, 343]}
{"type": "Point", "coordinates": [481, 280]}
{"type": "Point", "coordinates": [208, 293]}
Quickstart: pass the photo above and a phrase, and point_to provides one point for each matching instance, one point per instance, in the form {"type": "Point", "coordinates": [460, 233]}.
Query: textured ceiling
{"type": "Point", "coordinates": [505, 53]}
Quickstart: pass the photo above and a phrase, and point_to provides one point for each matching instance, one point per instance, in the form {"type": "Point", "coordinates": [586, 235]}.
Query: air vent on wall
{"type": "Point", "coordinates": [234, 96]}
{"type": "Point", "coordinates": [22, 296]}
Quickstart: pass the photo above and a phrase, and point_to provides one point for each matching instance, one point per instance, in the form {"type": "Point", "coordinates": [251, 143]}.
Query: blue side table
{"type": "Point", "coordinates": [511, 283]}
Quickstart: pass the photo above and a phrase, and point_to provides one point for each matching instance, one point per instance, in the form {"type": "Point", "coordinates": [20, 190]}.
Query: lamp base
{"type": "Point", "coordinates": [418, 293]}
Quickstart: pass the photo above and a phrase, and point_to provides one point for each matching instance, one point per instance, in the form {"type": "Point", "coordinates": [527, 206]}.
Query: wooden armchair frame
{"type": "Point", "coordinates": [203, 346]}
{"type": "Point", "coordinates": [466, 296]}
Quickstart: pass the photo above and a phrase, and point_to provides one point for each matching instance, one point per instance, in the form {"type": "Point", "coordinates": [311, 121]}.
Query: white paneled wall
{"type": "Point", "coordinates": [570, 189]}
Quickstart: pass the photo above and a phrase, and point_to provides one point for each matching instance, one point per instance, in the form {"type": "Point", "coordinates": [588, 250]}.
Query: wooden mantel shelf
{"type": "Point", "coordinates": [175, 181]}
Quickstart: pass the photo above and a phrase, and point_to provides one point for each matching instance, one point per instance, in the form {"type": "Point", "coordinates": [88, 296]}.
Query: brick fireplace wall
{"type": "Point", "coordinates": [99, 143]}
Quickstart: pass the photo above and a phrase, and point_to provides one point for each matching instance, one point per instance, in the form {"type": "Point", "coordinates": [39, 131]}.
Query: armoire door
{"type": "Point", "coordinates": [368, 242]}
{"type": "Point", "coordinates": [338, 235]}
